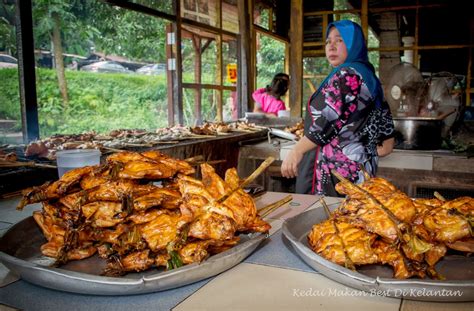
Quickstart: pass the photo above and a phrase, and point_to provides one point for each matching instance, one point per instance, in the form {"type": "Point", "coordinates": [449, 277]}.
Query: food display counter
{"type": "Point", "coordinates": [272, 278]}
{"type": "Point", "coordinates": [416, 172]}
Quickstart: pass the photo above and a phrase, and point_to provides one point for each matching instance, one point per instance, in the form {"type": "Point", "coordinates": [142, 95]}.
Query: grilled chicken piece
{"type": "Point", "coordinates": [126, 156]}
{"type": "Point", "coordinates": [146, 170]}
{"type": "Point", "coordinates": [364, 214]}
{"type": "Point", "coordinates": [161, 231]}
{"type": "Point", "coordinates": [103, 214]}
{"type": "Point", "coordinates": [112, 191]}
{"type": "Point", "coordinates": [146, 216]}
{"type": "Point", "coordinates": [166, 198]}
{"type": "Point", "coordinates": [464, 245]}
{"type": "Point", "coordinates": [392, 198]}
{"type": "Point", "coordinates": [464, 205]}
{"type": "Point", "coordinates": [244, 211]}
{"type": "Point", "coordinates": [212, 226]}
{"type": "Point", "coordinates": [194, 252]}
{"type": "Point", "coordinates": [389, 254]}
{"type": "Point", "coordinates": [137, 261]}
{"type": "Point", "coordinates": [435, 254]}
{"type": "Point", "coordinates": [350, 241]}
{"type": "Point", "coordinates": [446, 225]}
{"type": "Point", "coordinates": [92, 181]}
{"type": "Point", "coordinates": [183, 167]}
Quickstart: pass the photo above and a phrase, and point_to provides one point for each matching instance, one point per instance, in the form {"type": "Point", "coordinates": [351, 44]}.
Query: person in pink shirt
{"type": "Point", "coordinates": [267, 99]}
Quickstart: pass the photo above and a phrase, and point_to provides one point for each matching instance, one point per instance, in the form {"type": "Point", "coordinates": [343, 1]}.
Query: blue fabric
{"type": "Point", "coordinates": [357, 58]}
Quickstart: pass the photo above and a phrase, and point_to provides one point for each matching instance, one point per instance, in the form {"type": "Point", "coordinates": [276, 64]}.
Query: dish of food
{"type": "Point", "coordinates": [117, 213]}
{"type": "Point", "coordinates": [379, 239]}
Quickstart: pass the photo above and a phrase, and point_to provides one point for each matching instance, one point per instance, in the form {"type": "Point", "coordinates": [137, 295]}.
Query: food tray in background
{"type": "Point", "coordinates": [377, 279]}
{"type": "Point", "coordinates": [20, 252]}
{"type": "Point", "coordinates": [282, 134]}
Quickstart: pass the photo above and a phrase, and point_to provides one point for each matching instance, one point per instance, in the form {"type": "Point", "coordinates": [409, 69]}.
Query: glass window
{"type": "Point", "coordinates": [189, 109]}
{"type": "Point", "coordinates": [229, 109]}
{"type": "Point", "coordinates": [209, 102]}
{"type": "Point", "coordinates": [263, 15]}
{"type": "Point", "coordinates": [203, 11]}
{"type": "Point", "coordinates": [199, 56]}
{"type": "Point", "coordinates": [270, 59]}
{"type": "Point", "coordinates": [10, 108]}
{"type": "Point", "coordinates": [110, 75]}
{"type": "Point", "coordinates": [229, 59]}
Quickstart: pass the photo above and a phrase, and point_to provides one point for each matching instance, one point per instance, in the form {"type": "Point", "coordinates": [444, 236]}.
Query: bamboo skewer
{"type": "Point", "coordinates": [373, 200]}
{"type": "Point", "coordinates": [249, 179]}
{"type": "Point", "coordinates": [265, 211]}
{"type": "Point", "coordinates": [439, 196]}
{"type": "Point", "coordinates": [30, 163]}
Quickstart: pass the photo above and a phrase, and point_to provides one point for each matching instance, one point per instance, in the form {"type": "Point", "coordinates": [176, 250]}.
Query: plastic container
{"type": "Point", "coordinates": [71, 159]}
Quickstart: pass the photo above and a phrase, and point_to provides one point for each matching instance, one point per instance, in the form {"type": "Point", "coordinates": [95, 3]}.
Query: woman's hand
{"type": "Point", "coordinates": [289, 167]}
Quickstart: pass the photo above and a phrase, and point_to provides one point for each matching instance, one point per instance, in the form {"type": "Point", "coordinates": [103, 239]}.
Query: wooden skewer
{"type": "Point", "coordinates": [373, 200]}
{"type": "Point", "coordinates": [347, 260]}
{"type": "Point", "coordinates": [439, 196]}
{"type": "Point", "coordinates": [249, 179]}
{"type": "Point", "coordinates": [30, 163]}
{"type": "Point", "coordinates": [265, 211]}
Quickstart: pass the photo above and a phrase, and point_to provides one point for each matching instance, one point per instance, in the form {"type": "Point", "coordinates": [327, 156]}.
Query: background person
{"type": "Point", "coordinates": [268, 99]}
{"type": "Point", "coordinates": [346, 118]}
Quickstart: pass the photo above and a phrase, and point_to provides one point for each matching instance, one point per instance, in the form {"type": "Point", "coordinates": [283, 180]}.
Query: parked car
{"type": "Point", "coordinates": [106, 66]}
{"type": "Point", "coordinates": [8, 61]}
{"type": "Point", "coordinates": [152, 69]}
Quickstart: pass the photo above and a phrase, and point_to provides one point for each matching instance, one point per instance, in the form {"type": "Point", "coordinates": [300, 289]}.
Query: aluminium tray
{"type": "Point", "coordinates": [20, 252]}
{"type": "Point", "coordinates": [377, 279]}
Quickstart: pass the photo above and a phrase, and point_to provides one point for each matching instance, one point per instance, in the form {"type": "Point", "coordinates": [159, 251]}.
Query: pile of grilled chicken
{"type": "Point", "coordinates": [119, 211]}
{"type": "Point", "coordinates": [378, 224]}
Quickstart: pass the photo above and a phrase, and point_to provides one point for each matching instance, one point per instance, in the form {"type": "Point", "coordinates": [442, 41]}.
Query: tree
{"type": "Point", "coordinates": [51, 17]}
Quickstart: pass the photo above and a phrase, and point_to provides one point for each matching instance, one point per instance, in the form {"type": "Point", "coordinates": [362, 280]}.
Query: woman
{"type": "Point", "coordinates": [267, 100]}
{"type": "Point", "coordinates": [346, 118]}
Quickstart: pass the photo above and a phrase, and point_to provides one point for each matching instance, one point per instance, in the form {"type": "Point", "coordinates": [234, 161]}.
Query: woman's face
{"type": "Point", "coordinates": [336, 50]}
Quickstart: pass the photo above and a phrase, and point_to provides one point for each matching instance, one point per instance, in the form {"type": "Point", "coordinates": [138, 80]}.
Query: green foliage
{"type": "Point", "coordinates": [270, 60]}
{"type": "Point", "coordinates": [99, 102]}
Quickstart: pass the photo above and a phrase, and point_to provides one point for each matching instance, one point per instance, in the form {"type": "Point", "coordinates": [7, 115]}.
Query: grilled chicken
{"type": "Point", "coordinates": [115, 211]}
{"type": "Point", "coordinates": [377, 223]}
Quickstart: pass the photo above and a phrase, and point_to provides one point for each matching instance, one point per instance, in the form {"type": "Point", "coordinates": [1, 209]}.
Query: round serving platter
{"type": "Point", "coordinates": [20, 252]}
{"type": "Point", "coordinates": [377, 279]}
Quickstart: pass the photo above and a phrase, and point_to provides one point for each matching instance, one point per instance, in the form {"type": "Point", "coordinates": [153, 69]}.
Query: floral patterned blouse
{"type": "Point", "coordinates": [345, 123]}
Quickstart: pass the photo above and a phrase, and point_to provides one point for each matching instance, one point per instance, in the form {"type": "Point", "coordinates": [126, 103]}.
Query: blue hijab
{"type": "Point", "coordinates": [357, 58]}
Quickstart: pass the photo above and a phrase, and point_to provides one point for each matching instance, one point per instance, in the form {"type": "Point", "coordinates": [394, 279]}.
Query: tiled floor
{"type": "Point", "coordinates": [257, 287]}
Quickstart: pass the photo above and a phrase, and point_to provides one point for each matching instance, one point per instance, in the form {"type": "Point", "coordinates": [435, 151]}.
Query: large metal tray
{"type": "Point", "coordinates": [377, 279]}
{"type": "Point", "coordinates": [20, 252]}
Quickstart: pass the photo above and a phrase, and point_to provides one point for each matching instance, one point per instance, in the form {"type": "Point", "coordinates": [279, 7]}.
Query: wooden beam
{"type": "Point", "coordinates": [364, 19]}
{"type": "Point", "coordinates": [296, 58]}
{"type": "Point", "coordinates": [417, 24]}
{"type": "Point", "coordinates": [469, 79]}
{"type": "Point", "coordinates": [178, 89]}
{"type": "Point", "coordinates": [245, 78]}
{"type": "Point", "coordinates": [26, 70]}
{"type": "Point", "coordinates": [170, 74]}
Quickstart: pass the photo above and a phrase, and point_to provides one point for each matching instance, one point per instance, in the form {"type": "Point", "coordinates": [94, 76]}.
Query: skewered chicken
{"type": "Point", "coordinates": [115, 211]}
{"type": "Point", "coordinates": [377, 223]}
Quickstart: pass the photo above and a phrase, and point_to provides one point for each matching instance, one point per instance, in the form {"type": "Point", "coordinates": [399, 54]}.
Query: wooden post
{"type": "Point", "coordinates": [296, 58]}
{"type": "Point", "coordinates": [364, 19]}
{"type": "Point", "coordinates": [170, 34]}
{"type": "Point", "coordinates": [26, 70]}
{"type": "Point", "coordinates": [416, 43]}
{"type": "Point", "coordinates": [197, 78]}
{"type": "Point", "coordinates": [245, 79]}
